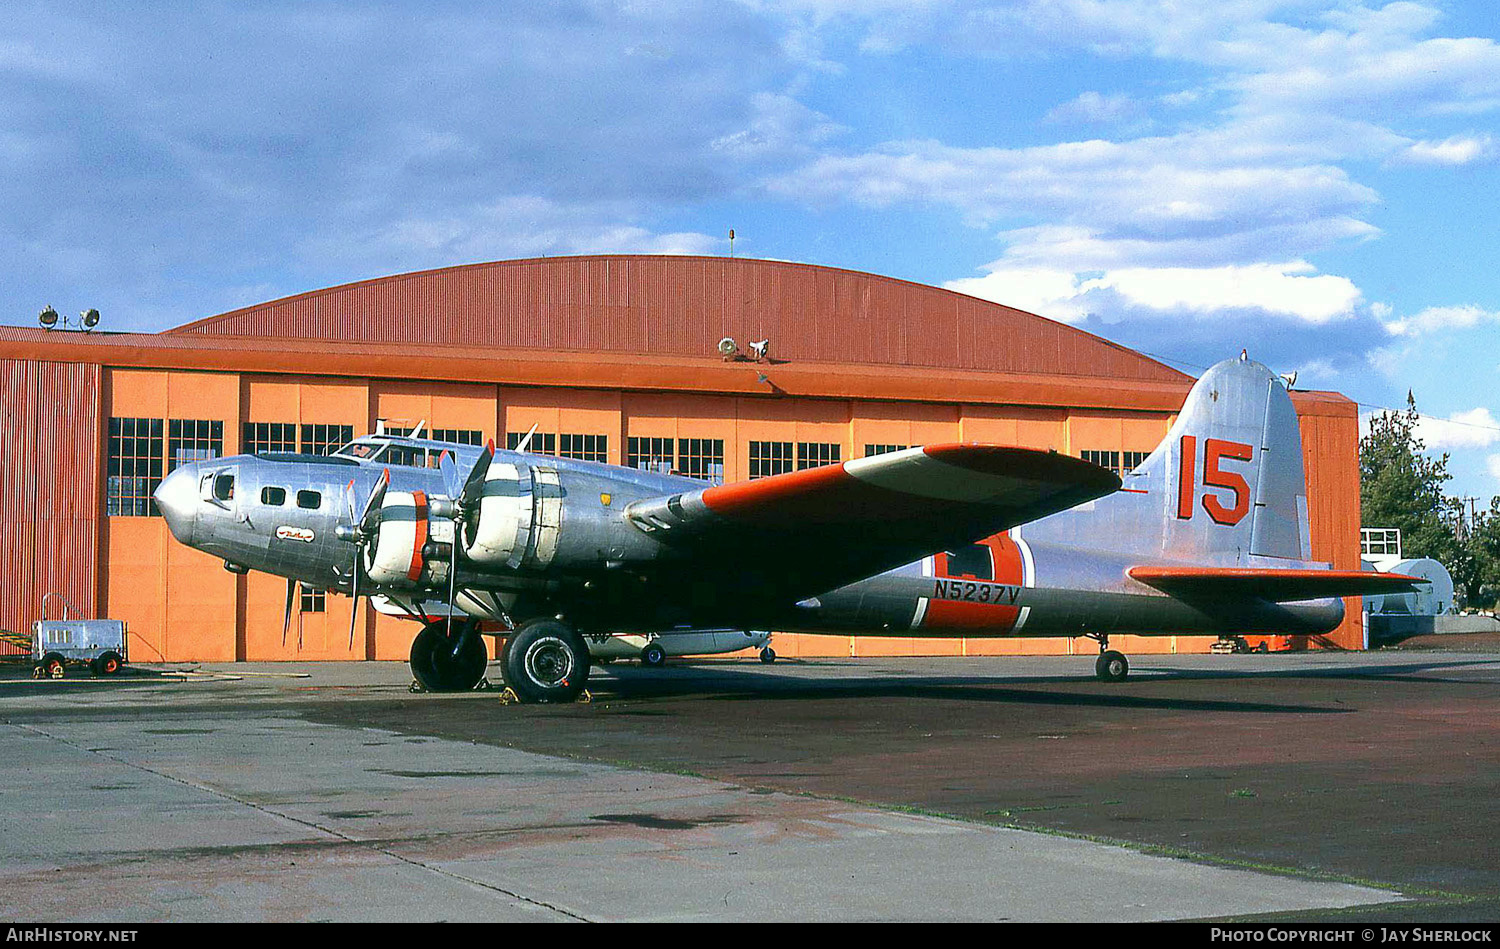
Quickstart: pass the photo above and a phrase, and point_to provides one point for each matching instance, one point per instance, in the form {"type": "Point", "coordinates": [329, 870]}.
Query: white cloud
{"type": "Point", "coordinates": [1476, 428]}
{"type": "Point", "coordinates": [1292, 290]}
{"type": "Point", "coordinates": [1458, 150]}
{"type": "Point", "coordinates": [1048, 292]}
{"type": "Point", "coordinates": [1095, 107]}
{"type": "Point", "coordinates": [1439, 318]}
{"type": "Point", "coordinates": [1493, 464]}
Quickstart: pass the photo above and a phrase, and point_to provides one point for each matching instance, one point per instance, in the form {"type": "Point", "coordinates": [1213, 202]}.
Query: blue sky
{"type": "Point", "coordinates": [1313, 180]}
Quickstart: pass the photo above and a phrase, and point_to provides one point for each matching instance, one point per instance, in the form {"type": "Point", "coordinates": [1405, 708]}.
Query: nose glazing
{"type": "Point", "coordinates": [177, 499]}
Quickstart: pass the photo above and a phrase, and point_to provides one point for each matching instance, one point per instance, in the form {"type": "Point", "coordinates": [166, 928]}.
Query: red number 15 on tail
{"type": "Point", "coordinates": [1215, 450]}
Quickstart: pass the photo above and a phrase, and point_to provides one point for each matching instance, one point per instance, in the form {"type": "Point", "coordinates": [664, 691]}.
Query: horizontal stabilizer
{"type": "Point", "coordinates": [1272, 583]}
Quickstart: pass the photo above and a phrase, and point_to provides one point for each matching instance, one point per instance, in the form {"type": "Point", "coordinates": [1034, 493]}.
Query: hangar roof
{"type": "Point", "coordinates": [683, 306]}
{"type": "Point", "coordinates": [653, 323]}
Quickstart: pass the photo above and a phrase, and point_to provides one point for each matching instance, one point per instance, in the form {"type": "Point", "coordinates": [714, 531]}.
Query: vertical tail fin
{"type": "Point", "coordinates": [1224, 486]}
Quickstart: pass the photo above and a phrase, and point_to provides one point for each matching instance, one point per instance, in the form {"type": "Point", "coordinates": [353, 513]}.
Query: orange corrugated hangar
{"type": "Point", "coordinates": [612, 358]}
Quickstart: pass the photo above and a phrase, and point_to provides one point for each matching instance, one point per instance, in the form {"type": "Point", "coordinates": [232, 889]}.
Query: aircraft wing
{"type": "Point", "coordinates": [1272, 583]}
{"type": "Point", "coordinates": [805, 532]}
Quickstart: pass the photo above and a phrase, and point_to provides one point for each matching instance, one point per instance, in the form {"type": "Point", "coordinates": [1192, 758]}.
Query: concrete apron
{"type": "Point", "coordinates": [280, 819]}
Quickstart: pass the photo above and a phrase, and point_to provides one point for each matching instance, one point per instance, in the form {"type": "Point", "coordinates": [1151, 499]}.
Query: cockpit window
{"type": "Point", "coordinates": [361, 449]}
{"type": "Point", "coordinates": [275, 497]}
{"type": "Point", "coordinates": [309, 499]}
{"type": "Point", "coordinates": [224, 487]}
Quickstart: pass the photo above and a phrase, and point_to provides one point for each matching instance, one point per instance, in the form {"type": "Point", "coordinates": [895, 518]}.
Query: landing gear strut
{"type": "Point", "coordinates": [1111, 666]}
{"type": "Point", "coordinates": [445, 660]}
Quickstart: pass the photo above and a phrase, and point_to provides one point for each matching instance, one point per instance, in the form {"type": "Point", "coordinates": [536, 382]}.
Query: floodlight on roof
{"type": "Point", "coordinates": [48, 316]}
{"type": "Point", "coordinates": [728, 347]}
{"type": "Point", "coordinates": [90, 318]}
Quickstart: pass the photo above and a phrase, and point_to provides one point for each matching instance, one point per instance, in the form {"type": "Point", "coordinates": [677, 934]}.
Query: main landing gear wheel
{"type": "Point", "coordinates": [434, 665]}
{"type": "Point", "coordinates": [1112, 666]}
{"type": "Point", "coordinates": [547, 661]}
{"type": "Point", "coordinates": [653, 655]}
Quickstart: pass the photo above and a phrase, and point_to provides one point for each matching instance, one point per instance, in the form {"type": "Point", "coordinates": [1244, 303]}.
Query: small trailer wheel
{"type": "Point", "coordinates": [109, 663]}
{"type": "Point", "coordinates": [53, 666]}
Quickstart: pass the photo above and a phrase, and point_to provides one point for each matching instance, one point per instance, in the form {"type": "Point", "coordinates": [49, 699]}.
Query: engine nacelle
{"type": "Point", "coordinates": [394, 556]}
{"type": "Point", "coordinates": [518, 519]}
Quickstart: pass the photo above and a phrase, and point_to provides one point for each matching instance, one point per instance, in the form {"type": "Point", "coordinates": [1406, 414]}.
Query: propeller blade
{"type": "Point", "coordinates": [449, 467]}
{"type": "Point", "coordinates": [474, 484]}
{"type": "Point", "coordinates": [453, 573]}
{"type": "Point", "coordinates": [525, 444]}
{"type": "Point", "coordinates": [371, 514]}
{"type": "Point", "coordinates": [354, 595]}
{"type": "Point", "coordinates": [286, 618]}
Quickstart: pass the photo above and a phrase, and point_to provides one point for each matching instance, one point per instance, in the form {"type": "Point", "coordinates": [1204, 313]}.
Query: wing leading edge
{"type": "Point", "coordinates": [1271, 583]}
{"type": "Point", "coordinates": [809, 531]}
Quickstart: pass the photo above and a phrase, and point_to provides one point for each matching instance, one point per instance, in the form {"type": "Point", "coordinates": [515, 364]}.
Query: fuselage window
{"type": "Point", "coordinates": [309, 499]}
{"type": "Point", "coordinates": [224, 487]}
{"type": "Point", "coordinates": [971, 561]}
{"type": "Point", "coordinates": [275, 497]}
{"type": "Point", "coordinates": [406, 456]}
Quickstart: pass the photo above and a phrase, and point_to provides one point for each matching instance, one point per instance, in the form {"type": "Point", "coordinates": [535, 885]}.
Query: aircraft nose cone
{"type": "Point", "coordinates": [177, 498]}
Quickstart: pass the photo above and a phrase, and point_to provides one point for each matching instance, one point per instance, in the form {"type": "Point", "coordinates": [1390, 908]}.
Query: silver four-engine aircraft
{"type": "Point", "coordinates": [1208, 535]}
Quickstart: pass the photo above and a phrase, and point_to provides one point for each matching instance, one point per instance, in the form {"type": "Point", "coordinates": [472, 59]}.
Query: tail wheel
{"type": "Point", "coordinates": [547, 661]}
{"type": "Point", "coordinates": [768, 655]}
{"type": "Point", "coordinates": [653, 655]}
{"type": "Point", "coordinates": [434, 665]}
{"type": "Point", "coordinates": [1112, 666]}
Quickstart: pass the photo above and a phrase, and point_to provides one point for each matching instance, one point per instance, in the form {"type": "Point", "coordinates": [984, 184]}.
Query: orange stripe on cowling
{"type": "Point", "coordinates": [419, 536]}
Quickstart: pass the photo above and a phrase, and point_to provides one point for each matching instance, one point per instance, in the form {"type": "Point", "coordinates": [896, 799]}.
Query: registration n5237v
{"type": "Point", "coordinates": [974, 591]}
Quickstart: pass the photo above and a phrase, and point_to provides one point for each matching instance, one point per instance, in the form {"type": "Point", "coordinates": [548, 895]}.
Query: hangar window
{"type": "Point", "coordinates": [320, 439]}
{"type": "Point", "coordinates": [584, 447]}
{"type": "Point", "coordinates": [312, 599]}
{"type": "Point", "coordinates": [268, 436]}
{"type": "Point", "coordinates": [771, 458]}
{"type": "Point", "coordinates": [649, 454]}
{"type": "Point", "coordinates": [193, 439]}
{"type": "Point", "coordinates": [542, 443]}
{"type": "Point", "coordinates": [1131, 460]}
{"type": "Point", "coordinates": [701, 458]}
{"type": "Point", "coordinates": [818, 454]}
{"type": "Point", "coordinates": [274, 497]}
{"type": "Point", "coordinates": [1104, 459]}
{"type": "Point", "coordinates": [135, 467]}
{"type": "Point", "coordinates": [871, 450]}
{"type": "Point", "coordinates": [459, 436]}
{"type": "Point", "coordinates": [309, 500]}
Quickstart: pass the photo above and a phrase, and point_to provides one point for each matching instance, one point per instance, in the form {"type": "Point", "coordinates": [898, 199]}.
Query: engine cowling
{"type": "Point", "coordinates": [518, 519]}
{"type": "Point", "coordinates": [394, 557]}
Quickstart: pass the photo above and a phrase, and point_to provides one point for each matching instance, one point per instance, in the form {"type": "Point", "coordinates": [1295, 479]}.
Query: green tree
{"type": "Point", "coordinates": [1400, 486]}
{"type": "Point", "coordinates": [1478, 571]}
